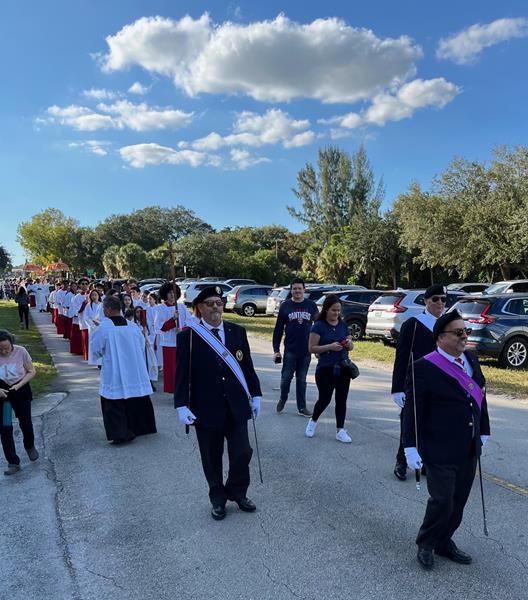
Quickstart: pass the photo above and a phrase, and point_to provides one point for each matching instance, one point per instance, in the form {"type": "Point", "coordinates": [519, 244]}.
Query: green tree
{"type": "Point", "coordinates": [132, 261]}
{"type": "Point", "coordinates": [48, 236]}
{"type": "Point", "coordinates": [5, 260]}
{"type": "Point", "coordinates": [110, 262]}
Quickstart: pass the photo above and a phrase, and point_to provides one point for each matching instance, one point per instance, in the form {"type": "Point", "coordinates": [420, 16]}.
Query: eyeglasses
{"type": "Point", "coordinates": [441, 298]}
{"type": "Point", "coordinates": [211, 303]}
{"type": "Point", "coordinates": [459, 332]}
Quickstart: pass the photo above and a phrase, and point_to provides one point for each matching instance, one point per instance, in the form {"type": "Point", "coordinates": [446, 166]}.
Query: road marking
{"type": "Point", "coordinates": [516, 489]}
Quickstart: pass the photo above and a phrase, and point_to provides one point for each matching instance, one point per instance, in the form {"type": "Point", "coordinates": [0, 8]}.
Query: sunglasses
{"type": "Point", "coordinates": [437, 298]}
{"type": "Point", "coordinates": [459, 332]}
{"type": "Point", "coordinates": [211, 303]}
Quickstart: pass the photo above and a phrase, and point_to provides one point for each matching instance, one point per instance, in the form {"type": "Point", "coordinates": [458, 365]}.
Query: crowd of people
{"type": "Point", "coordinates": [438, 387]}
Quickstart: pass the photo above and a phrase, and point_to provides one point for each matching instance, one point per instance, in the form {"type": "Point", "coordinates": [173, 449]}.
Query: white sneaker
{"type": "Point", "coordinates": [342, 436]}
{"type": "Point", "coordinates": [310, 428]}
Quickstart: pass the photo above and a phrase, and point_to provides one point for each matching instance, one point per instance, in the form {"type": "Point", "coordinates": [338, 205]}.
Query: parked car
{"type": "Point", "coordinates": [150, 287]}
{"type": "Point", "coordinates": [312, 292]}
{"type": "Point", "coordinates": [516, 286]}
{"type": "Point", "coordinates": [388, 312]}
{"type": "Point", "coordinates": [355, 305]}
{"type": "Point", "coordinates": [248, 300]}
{"type": "Point", "coordinates": [499, 327]}
{"type": "Point", "coordinates": [190, 291]}
{"type": "Point", "coordinates": [234, 282]}
{"type": "Point", "coordinates": [158, 280]}
{"type": "Point", "coordinates": [274, 300]}
{"type": "Point", "coordinates": [469, 288]}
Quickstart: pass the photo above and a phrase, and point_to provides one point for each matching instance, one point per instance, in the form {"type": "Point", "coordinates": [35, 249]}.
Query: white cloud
{"type": "Point", "coordinates": [243, 159]}
{"type": "Point", "coordinates": [464, 47]}
{"type": "Point", "coordinates": [270, 61]}
{"type": "Point", "coordinates": [119, 115]}
{"type": "Point", "coordinates": [141, 155]}
{"type": "Point", "coordinates": [251, 129]}
{"type": "Point", "coordinates": [402, 104]}
{"type": "Point", "coordinates": [100, 94]}
{"type": "Point", "coordinates": [97, 147]}
{"type": "Point", "coordinates": [138, 88]}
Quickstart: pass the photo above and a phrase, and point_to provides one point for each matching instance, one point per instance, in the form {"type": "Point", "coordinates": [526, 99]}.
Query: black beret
{"type": "Point", "coordinates": [435, 290]}
{"type": "Point", "coordinates": [208, 292]}
{"type": "Point", "coordinates": [443, 321]}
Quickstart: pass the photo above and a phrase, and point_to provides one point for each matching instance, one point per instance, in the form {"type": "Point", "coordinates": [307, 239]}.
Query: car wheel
{"type": "Point", "coordinates": [249, 310]}
{"type": "Point", "coordinates": [515, 354]}
{"type": "Point", "coordinates": [356, 330]}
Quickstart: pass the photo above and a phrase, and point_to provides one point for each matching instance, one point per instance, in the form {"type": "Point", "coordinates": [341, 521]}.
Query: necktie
{"type": "Point", "coordinates": [460, 363]}
{"type": "Point", "coordinates": [216, 332]}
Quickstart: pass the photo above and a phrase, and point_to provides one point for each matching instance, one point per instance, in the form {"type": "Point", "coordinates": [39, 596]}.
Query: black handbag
{"type": "Point", "coordinates": [350, 367]}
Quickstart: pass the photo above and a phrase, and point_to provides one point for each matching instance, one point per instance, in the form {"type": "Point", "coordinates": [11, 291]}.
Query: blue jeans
{"type": "Point", "coordinates": [298, 365]}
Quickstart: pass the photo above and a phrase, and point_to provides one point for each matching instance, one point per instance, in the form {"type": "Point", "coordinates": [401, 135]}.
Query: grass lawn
{"type": "Point", "coordinates": [32, 341]}
{"type": "Point", "coordinates": [498, 378]}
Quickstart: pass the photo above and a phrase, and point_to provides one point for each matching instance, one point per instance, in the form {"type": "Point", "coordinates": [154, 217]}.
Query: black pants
{"type": "Point", "coordinates": [23, 314]}
{"type": "Point", "coordinates": [125, 419]}
{"type": "Point", "coordinates": [327, 381]}
{"type": "Point", "coordinates": [211, 443]}
{"type": "Point", "coordinates": [400, 455]}
{"type": "Point", "coordinates": [21, 403]}
{"type": "Point", "coordinates": [449, 487]}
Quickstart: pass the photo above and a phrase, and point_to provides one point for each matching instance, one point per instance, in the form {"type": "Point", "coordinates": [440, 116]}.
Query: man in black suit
{"type": "Point", "coordinates": [445, 392]}
{"type": "Point", "coordinates": [218, 399]}
{"type": "Point", "coordinates": [416, 337]}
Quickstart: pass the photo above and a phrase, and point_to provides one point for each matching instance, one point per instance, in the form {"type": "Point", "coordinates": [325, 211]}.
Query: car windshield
{"type": "Point", "coordinates": [474, 307]}
{"type": "Point", "coordinates": [388, 299]}
{"type": "Point", "coordinates": [284, 293]}
{"type": "Point", "coordinates": [274, 293]}
{"type": "Point", "coordinates": [497, 288]}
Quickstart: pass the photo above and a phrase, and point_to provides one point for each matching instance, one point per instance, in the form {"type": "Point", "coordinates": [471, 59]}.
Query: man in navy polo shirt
{"type": "Point", "coordinates": [295, 321]}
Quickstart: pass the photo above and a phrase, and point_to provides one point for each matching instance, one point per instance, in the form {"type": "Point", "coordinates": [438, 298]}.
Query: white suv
{"type": "Point", "coordinates": [195, 287]}
{"type": "Point", "coordinates": [387, 314]}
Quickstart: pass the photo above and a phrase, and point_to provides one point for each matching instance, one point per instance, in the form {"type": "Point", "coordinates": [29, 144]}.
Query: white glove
{"type": "Point", "coordinates": [185, 415]}
{"type": "Point", "coordinates": [255, 405]}
{"type": "Point", "coordinates": [399, 398]}
{"type": "Point", "coordinates": [414, 460]}
{"type": "Point", "coordinates": [484, 439]}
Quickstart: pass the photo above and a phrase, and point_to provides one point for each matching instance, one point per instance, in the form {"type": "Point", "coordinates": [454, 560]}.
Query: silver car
{"type": "Point", "coordinates": [248, 300]}
{"type": "Point", "coordinates": [388, 312]}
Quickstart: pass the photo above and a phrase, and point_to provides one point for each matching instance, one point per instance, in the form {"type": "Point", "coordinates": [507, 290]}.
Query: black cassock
{"type": "Point", "coordinates": [449, 424]}
{"type": "Point", "coordinates": [414, 337]}
{"type": "Point", "coordinates": [221, 408]}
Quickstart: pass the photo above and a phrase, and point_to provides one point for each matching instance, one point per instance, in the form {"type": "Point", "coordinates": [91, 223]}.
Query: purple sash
{"type": "Point", "coordinates": [449, 368]}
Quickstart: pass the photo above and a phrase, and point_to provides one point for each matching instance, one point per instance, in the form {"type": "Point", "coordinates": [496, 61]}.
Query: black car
{"type": "Point", "coordinates": [355, 304]}
{"type": "Point", "coordinates": [499, 325]}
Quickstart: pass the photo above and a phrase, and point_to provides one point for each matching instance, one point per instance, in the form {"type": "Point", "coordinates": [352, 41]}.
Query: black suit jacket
{"type": "Point", "coordinates": [449, 421]}
{"type": "Point", "coordinates": [214, 390]}
{"type": "Point", "coordinates": [423, 344]}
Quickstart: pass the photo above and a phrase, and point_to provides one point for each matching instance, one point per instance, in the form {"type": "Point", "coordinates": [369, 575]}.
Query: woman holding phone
{"type": "Point", "coordinates": [330, 341]}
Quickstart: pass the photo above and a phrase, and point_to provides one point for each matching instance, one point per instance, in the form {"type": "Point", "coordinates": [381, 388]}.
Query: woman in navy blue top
{"type": "Point", "coordinates": [330, 340]}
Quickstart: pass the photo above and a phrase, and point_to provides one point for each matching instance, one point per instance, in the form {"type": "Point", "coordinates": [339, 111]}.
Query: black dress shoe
{"type": "Point", "coordinates": [425, 558]}
{"type": "Point", "coordinates": [245, 504]}
{"type": "Point", "coordinates": [453, 553]}
{"type": "Point", "coordinates": [400, 470]}
{"type": "Point", "coordinates": [218, 512]}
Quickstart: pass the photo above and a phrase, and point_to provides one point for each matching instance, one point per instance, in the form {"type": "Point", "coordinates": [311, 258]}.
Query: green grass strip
{"type": "Point", "coordinates": [32, 342]}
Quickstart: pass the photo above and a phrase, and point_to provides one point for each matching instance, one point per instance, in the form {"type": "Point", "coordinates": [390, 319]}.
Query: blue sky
{"type": "Point", "coordinates": [107, 107]}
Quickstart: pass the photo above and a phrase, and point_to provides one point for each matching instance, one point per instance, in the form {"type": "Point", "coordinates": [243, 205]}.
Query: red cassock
{"type": "Point", "coordinates": [75, 339]}
{"type": "Point", "coordinates": [85, 343]}
{"type": "Point", "coordinates": [59, 322]}
{"type": "Point", "coordinates": [32, 301]}
{"type": "Point", "coordinates": [67, 327]}
{"type": "Point", "coordinates": [169, 368]}
{"type": "Point", "coordinates": [54, 316]}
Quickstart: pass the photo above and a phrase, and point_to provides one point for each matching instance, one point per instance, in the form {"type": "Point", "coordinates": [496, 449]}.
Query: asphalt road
{"type": "Point", "coordinates": [93, 521]}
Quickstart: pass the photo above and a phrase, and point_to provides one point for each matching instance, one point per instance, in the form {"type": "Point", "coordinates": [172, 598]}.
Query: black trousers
{"type": "Point", "coordinates": [449, 487]}
{"type": "Point", "coordinates": [211, 444]}
{"type": "Point", "coordinates": [327, 381]}
{"type": "Point", "coordinates": [23, 314]}
{"type": "Point", "coordinates": [21, 403]}
{"type": "Point", "coordinates": [400, 455]}
{"type": "Point", "coordinates": [124, 419]}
